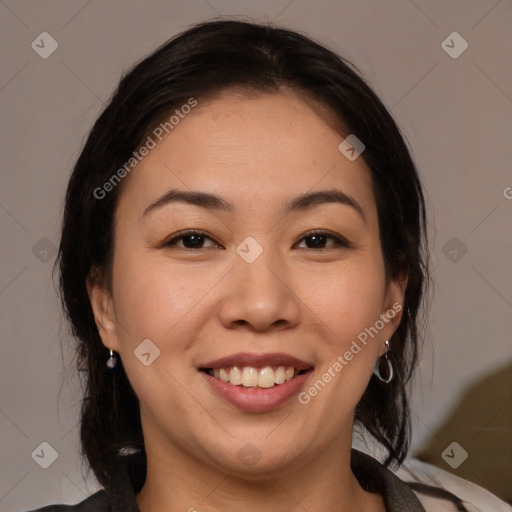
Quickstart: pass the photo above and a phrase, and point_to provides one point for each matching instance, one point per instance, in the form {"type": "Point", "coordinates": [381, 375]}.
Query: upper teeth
{"type": "Point", "coordinates": [252, 377]}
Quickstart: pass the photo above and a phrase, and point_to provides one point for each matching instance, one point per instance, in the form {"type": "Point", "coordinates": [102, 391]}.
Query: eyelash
{"type": "Point", "coordinates": [339, 241]}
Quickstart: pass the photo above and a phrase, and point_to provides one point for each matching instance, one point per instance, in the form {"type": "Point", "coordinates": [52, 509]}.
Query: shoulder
{"type": "Point", "coordinates": [97, 502]}
{"type": "Point", "coordinates": [473, 497]}
{"type": "Point", "coordinates": [117, 496]}
{"type": "Point", "coordinates": [417, 486]}
{"type": "Point", "coordinates": [375, 477]}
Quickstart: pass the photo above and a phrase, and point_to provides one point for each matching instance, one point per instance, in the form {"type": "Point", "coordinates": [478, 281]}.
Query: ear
{"type": "Point", "coordinates": [393, 308]}
{"type": "Point", "coordinates": [102, 305]}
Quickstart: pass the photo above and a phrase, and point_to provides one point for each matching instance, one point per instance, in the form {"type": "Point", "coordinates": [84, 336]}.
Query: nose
{"type": "Point", "coordinates": [259, 296]}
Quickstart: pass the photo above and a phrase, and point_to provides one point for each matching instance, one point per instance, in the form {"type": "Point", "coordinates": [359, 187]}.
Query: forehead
{"type": "Point", "coordinates": [252, 149]}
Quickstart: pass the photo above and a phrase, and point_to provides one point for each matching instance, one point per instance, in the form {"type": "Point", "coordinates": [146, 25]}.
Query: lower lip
{"type": "Point", "coordinates": [257, 399]}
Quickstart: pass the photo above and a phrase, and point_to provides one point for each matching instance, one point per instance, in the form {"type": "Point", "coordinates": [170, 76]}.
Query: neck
{"type": "Point", "coordinates": [177, 482]}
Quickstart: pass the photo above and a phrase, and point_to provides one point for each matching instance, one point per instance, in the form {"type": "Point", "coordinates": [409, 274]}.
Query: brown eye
{"type": "Point", "coordinates": [191, 240]}
{"type": "Point", "coordinates": [318, 240]}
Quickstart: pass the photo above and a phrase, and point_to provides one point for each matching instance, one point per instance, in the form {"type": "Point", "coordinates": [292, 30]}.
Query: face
{"type": "Point", "coordinates": [266, 281]}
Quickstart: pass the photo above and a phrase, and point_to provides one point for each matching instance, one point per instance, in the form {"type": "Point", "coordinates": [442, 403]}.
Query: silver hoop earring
{"type": "Point", "coordinates": [383, 368]}
{"type": "Point", "coordinates": [112, 360]}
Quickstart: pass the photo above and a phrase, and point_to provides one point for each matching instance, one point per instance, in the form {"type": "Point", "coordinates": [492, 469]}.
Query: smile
{"type": "Point", "coordinates": [251, 377]}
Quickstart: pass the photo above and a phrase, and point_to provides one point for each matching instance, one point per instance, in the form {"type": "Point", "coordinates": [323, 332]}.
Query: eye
{"type": "Point", "coordinates": [194, 239]}
{"type": "Point", "coordinates": [191, 239]}
{"type": "Point", "coordinates": [319, 238]}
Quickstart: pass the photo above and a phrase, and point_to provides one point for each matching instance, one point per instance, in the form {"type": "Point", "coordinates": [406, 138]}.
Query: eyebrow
{"type": "Point", "coordinates": [303, 202]}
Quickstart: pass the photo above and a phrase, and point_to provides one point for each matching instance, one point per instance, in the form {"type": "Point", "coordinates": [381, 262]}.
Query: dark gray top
{"type": "Point", "coordinates": [371, 474]}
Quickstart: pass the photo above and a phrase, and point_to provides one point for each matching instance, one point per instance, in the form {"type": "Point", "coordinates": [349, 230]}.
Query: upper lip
{"type": "Point", "coordinates": [258, 360]}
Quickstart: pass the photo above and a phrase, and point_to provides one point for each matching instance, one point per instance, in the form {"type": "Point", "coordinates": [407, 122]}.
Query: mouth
{"type": "Point", "coordinates": [255, 377]}
{"type": "Point", "coordinates": [257, 383]}
{"type": "Point", "coordinates": [256, 370]}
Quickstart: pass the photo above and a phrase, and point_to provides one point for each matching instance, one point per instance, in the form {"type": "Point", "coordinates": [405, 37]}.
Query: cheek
{"type": "Point", "coordinates": [152, 296]}
{"type": "Point", "coordinates": [348, 298]}
{"type": "Point", "coordinates": [155, 302]}
{"type": "Point", "coordinates": [348, 301]}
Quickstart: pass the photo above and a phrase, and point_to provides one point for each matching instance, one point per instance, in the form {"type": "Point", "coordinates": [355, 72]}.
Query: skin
{"type": "Point", "coordinates": [197, 305]}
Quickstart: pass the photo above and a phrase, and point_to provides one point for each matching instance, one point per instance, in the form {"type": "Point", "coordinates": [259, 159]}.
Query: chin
{"type": "Point", "coordinates": [253, 457]}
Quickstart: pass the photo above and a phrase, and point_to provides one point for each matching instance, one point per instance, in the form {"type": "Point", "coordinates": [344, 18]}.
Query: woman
{"type": "Point", "coordinates": [243, 258]}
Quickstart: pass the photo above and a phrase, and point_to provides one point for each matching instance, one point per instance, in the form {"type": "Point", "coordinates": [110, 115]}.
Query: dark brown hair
{"type": "Point", "coordinates": [206, 59]}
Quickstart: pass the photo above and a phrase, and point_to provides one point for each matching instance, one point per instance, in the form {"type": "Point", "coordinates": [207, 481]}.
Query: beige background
{"type": "Point", "coordinates": [456, 114]}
